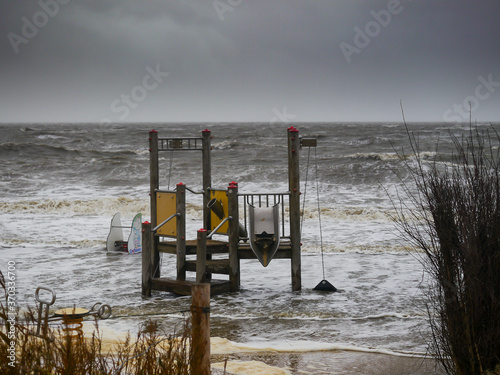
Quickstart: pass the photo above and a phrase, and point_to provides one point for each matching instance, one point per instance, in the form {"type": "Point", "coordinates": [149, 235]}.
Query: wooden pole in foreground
{"type": "Point", "coordinates": [200, 331]}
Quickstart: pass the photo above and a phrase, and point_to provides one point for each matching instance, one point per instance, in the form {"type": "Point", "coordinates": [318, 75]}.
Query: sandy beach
{"type": "Point", "coordinates": [240, 359]}
{"type": "Point", "coordinates": [322, 363]}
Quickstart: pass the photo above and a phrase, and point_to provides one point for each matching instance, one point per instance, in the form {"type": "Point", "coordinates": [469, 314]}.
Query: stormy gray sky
{"type": "Point", "coordinates": [249, 60]}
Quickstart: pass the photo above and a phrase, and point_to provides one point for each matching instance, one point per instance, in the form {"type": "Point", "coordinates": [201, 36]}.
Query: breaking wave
{"type": "Point", "coordinates": [106, 206]}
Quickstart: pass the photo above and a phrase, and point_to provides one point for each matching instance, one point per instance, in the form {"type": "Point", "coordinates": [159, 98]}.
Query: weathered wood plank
{"type": "Point", "coordinates": [294, 188]}
{"type": "Point", "coordinates": [183, 287]}
{"type": "Point", "coordinates": [282, 253]}
{"type": "Point", "coordinates": [201, 256]}
{"type": "Point", "coordinates": [217, 266]}
{"type": "Point", "coordinates": [147, 259]}
{"type": "Point", "coordinates": [213, 247]}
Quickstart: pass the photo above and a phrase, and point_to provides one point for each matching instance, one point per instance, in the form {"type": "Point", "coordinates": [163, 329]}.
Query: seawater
{"type": "Point", "coordinates": [61, 184]}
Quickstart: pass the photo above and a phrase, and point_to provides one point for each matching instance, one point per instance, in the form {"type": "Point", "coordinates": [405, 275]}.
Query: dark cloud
{"type": "Point", "coordinates": [245, 60]}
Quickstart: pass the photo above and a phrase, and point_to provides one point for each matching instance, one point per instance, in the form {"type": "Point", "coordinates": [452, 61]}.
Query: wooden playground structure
{"type": "Point", "coordinates": [270, 227]}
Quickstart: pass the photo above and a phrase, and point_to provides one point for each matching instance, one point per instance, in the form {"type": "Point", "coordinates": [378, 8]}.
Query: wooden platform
{"type": "Point", "coordinates": [213, 266]}
{"type": "Point", "coordinates": [183, 287]}
{"type": "Point", "coordinates": [167, 205]}
{"type": "Point", "coordinates": [218, 266]}
{"type": "Point", "coordinates": [213, 247]}
{"type": "Point", "coordinates": [222, 247]}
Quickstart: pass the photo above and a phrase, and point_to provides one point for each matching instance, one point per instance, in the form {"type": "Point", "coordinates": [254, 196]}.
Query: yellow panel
{"type": "Point", "coordinates": [221, 196]}
{"type": "Point", "coordinates": [166, 207]}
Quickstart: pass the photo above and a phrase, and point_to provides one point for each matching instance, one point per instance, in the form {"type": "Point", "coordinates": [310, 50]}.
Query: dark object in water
{"type": "Point", "coordinates": [325, 286]}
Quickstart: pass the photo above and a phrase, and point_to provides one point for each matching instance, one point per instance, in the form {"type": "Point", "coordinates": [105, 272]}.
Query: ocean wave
{"type": "Point", "coordinates": [359, 248]}
{"type": "Point", "coordinates": [60, 243]}
{"type": "Point", "coordinates": [386, 156]}
{"type": "Point", "coordinates": [33, 148]}
{"type": "Point", "coordinates": [373, 156]}
{"type": "Point", "coordinates": [388, 315]}
{"type": "Point", "coordinates": [225, 145]}
{"type": "Point", "coordinates": [224, 346]}
{"type": "Point", "coordinates": [350, 214]}
{"type": "Point", "coordinates": [127, 206]}
{"type": "Point", "coordinates": [40, 150]}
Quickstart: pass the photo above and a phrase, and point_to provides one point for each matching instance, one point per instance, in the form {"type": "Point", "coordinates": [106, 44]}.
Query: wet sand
{"type": "Point", "coordinates": [243, 360]}
{"type": "Point", "coordinates": [324, 362]}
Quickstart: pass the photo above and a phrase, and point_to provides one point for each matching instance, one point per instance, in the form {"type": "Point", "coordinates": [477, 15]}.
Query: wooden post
{"type": "Point", "coordinates": [154, 181]}
{"type": "Point", "coordinates": [294, 187]}
{"type": "Point", "coordinates": [200, 334]}
{"type": "Point", "coordinates": [147, 266]}
{"type": "Point", "coordinates": [206, 139]}
{"type": "Point", "coordinates": [181, 231]}
{"type": "Point", "coordinates": [201, 256]}
{"type": "Point", "coordinates": [233, 237]}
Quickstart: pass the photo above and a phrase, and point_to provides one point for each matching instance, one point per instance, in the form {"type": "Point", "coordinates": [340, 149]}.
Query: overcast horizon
{"type": "Point", "coordinates": [249, 60]}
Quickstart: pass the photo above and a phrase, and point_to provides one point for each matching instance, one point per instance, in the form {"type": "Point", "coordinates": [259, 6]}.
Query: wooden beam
{"type": "Point", "coordinates": [201, 256]}
{"type": "Point", "coordinates": [234, 237]}
{"type": "Point", "coordinates": [181, 231]}
{"type": "Point", "coordinates": [294, 187]}
{"type": "Point", "coordinates": [147, 266]}
{"type": "Point", "coordinates": [154, 182]}
{"type": "Point", "coordinates": [206, 139]}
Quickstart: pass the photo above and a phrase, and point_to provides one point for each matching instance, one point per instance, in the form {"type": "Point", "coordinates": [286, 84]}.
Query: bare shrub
{"type": "Point", "coordinates": [453, 217]}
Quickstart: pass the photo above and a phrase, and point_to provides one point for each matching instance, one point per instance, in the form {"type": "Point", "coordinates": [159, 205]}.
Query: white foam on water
{"type": "Point", "coordinates": [54, 224]}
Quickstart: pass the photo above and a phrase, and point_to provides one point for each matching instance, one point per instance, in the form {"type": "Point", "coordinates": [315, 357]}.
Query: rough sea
{"type": "Point", "coordinates": [61, 184]}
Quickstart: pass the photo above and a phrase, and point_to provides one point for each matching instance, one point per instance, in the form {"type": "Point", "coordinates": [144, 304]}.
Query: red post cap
{"type": "Point", "coordinates": [153, 131]}
{"type": "Point", "coordinates": [202, 230]}
{"type": "Point", "coordinates": [292, 129]}
{"type": "Point", "coordinates": [180, 184]}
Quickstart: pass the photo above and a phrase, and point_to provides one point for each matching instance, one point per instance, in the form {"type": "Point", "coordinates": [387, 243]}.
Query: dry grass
{"type": "Point", "coordinates": [149, 352]}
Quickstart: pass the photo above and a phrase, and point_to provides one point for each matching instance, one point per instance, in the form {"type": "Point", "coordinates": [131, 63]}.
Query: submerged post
{"type": "Point", "coordinates": [294, 188]}
{"type": "Point", "coordinates": [181, 231]}
{"type": "Point", "coordinates": [206, 139]}
{"type": "Point", "coordinates": [200, 334]}
{"type": "Point", "coordinates": [154, 182]}
{"type": "Point", "coordinates": [234, 237]}
{"type": "Point", "coordinates": [147, 264]}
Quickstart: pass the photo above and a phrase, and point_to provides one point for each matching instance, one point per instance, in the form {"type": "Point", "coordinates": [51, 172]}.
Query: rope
{"type": "Point", "coordinates": [319, 213]}
{"type": "Point", "coordinates": [305, 192]}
